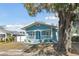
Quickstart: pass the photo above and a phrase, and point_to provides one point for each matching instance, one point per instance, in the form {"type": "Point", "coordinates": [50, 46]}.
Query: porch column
{"type": "Point", "coordinates": [51, 33]}
{"type": "Point", "coordinates": [34, 34]}
{"type": "Point", "coordinates": [41, 36]}
{"type": "Point", "coordinates": [20, 38]}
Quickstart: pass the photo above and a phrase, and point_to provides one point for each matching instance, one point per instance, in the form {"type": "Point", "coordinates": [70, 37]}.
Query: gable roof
{"type": "Point", "coordinates": [37, 23]}
{"type": "Point", "coordinates": [17, 33]}
{"type": "Point", "coordinates": [3, 30]}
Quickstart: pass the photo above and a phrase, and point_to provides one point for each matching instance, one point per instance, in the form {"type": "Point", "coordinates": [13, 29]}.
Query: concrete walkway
{"type": "Point", "coordinates": [17, 53]}
{"type": "Point", "coordinates": [11, 53]}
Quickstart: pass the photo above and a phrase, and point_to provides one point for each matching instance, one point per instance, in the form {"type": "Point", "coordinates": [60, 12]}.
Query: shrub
{"type": "Point", "coordinates": [1, 40]}
{"type": "Point", "coordinates": [10, 38]}
{"type": "Point", "coordinates": [29, 40]}
{"type": "Point", "coordinates": [46, 40]}
{"type": "Point", "coordinates": [75, 39]}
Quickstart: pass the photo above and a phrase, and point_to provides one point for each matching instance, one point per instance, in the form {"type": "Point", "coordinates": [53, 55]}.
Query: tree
{"type": "Point", "coordinates": [66, 15]}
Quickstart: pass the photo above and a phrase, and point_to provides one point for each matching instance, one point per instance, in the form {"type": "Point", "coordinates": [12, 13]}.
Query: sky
{"type": "Point", "coordinates": [16, 14]}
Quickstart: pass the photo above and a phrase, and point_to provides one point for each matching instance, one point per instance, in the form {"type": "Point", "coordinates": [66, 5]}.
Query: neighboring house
{"type": "Point", "coordinates": [19, 36]}
{"type": "Point", "coordinates": [3, 33]}
{"type": "Point", "coordinates": [39, 32]}
{"type": "Point", "coordinates": [17, 32]}
{"type": "Point", "coordinates": [75, 28]}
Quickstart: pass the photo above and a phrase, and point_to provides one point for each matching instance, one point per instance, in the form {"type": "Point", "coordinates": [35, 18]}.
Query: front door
{"type": "Point", "coordinates": [38, 35]}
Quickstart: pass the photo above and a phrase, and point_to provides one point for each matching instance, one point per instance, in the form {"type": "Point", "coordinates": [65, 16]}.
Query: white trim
{"type": "Point", "coordinates": [38, 30]}
{"type": "Point", "coordinates": [51, 33]}
{"type": "Point", "coordinates": [34, 34]}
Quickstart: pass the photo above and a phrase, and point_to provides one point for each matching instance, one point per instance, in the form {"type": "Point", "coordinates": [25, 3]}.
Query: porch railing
{"type": "Point", "coordinates": [45, 36]}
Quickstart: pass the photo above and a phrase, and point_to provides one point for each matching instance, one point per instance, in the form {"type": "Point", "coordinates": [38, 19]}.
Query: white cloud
{"type": "Point", "coordinates": [13, 27]}
{"type": "Point", "coordinates": [51, 17]}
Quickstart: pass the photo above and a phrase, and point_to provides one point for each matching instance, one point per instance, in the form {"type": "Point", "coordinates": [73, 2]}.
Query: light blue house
{"type": "Point", "coordinates": [38, 32]}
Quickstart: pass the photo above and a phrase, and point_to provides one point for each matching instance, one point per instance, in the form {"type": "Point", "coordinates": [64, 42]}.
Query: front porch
{"type": "Point", "coordinates": [40, 35]}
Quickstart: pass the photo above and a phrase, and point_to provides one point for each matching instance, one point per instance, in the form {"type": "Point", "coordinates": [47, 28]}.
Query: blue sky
{"type": "Point", "coordinates": [15, 14]}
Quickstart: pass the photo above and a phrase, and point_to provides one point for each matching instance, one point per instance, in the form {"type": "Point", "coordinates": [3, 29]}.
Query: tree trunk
{"type": "Point", "coordinates": [68, 31]}
{"type": "Point", "coordinates": [64, 43]}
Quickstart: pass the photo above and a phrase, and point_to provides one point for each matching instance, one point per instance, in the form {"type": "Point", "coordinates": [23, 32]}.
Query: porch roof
{"type": "Point", "coordinates": [39, 23]}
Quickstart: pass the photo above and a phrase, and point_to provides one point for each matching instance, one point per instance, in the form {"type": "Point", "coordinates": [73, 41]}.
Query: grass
{"type": "Point", "coordinates": [11, 45]}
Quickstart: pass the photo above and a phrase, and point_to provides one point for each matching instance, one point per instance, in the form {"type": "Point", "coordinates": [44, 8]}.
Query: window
{"type": "Point", "coordinates": [46, 34]}
{"type": "Point", "coordinates": [23, 32]}
{"type": "Point", "coordinates": [31, 34]}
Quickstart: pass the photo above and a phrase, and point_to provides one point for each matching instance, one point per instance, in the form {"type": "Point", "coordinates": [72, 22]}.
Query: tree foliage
{"type": "Point", "coordinates": [34, 8]}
